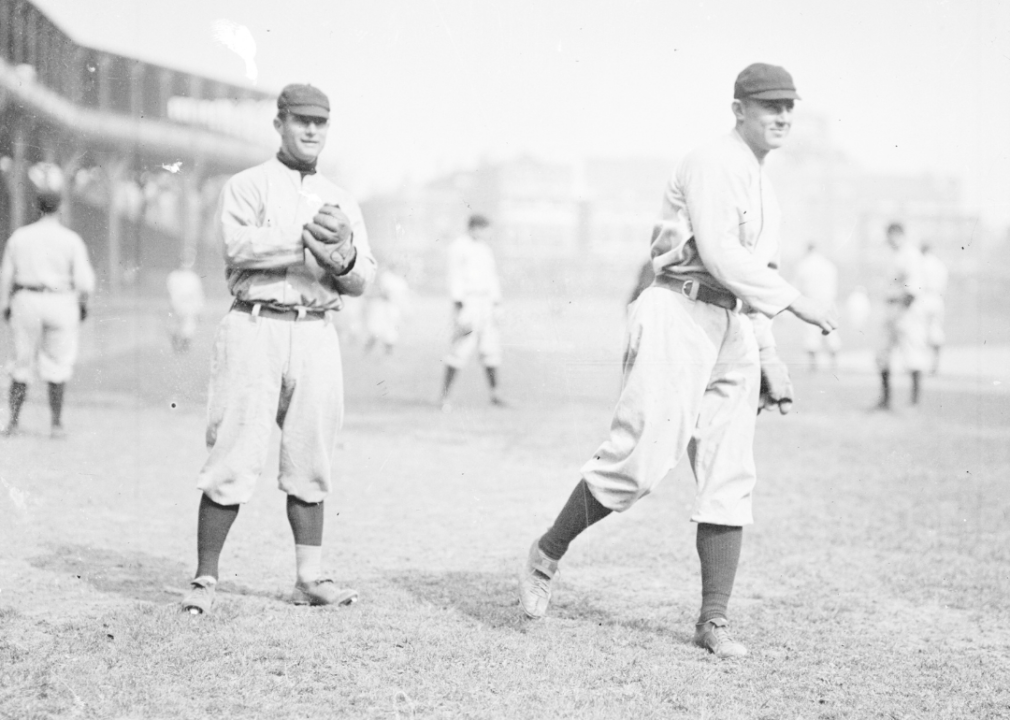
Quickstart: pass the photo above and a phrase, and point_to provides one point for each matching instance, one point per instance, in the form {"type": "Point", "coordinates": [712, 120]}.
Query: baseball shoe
{"type": "Point", "coordinates": [322, 592]}
{"type": "Point", "coordinates": [715, 636]}
{"type": "Point", "coordinates": [10, 431]}
{"type": "Point", "coordinates": [200, 597]}
{"type": "Point", "coordinates": [535, 579]}
{"type": "Point", "coordinates": [498, 401]}
{"type": "Point", "coordinates": [58, 432]}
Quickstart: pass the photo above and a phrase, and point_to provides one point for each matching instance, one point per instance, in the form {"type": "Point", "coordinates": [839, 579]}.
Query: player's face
{"type": "Point", "coordinates": [303, 137]}
{"type": "Point", "coordinates": [764, 124]}
{"type": "Point", "coordinates": [481, 232]}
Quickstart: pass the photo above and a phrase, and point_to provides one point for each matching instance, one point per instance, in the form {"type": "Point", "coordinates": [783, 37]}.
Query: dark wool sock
{"type": "Point", "coordinates": [212, 530]}
{"type": "Point", "coordinates": [916, 386]}
{"type": "Point", "coordinates": [450, 375]}
{"type": "Point", "coordinates": [719, 551]}
{"type": "Point", "coordinates": [306, 521]}
{"type": "Point", "coordinates": [581, 511]}
{"type": "Point", "coordinates": [56, 402]}
{"type": "Point", "coordinates": [18, 393]}
{"type": "Point", "coordinates": [492, 377]}
{"type": "Point", "coordinates": [885, 387]}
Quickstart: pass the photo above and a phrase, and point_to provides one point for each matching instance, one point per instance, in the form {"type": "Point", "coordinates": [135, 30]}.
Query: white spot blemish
{"type": "Point", "coordinates": [18, 497]}
{"type": "Point", "coordinates": [173, 167]}
{"type": "Point", "coordinates": [240, 41]}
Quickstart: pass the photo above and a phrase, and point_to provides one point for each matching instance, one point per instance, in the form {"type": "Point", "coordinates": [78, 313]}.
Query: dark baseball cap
{"type": "Point", "coordinates": [764, 82]}
{"type": "Point", "coordinates": [303, 100]}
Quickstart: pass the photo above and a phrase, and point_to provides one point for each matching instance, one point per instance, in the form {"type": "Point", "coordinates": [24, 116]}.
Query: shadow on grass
{"type": "Point", "coordinates": [135, 575]}
{"type": "Point", "coordinates": [132, 574]}
{"type": "Point", "coordinates": [490, 598]}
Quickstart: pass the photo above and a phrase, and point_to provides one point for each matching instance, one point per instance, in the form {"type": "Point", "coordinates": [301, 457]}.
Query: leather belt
{"type": "Point", "coordinates": [31, 288]}
{"type": "Point", "coordinates": [694, 290]}
{"type": "Point", "coordinates": [291, 314]}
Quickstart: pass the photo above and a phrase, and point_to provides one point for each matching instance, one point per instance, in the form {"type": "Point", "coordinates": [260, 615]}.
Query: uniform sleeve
{"type": "Point", "coordinates": [83, 273]}
{"type": "Point", "coordinates": [247, 245]}
{"type": "Point", "coordinates": [6, 277]}
{"type": "Point", "coordinates": [365, 267]}
{"type": "Point", "coordinates": [716, 199]}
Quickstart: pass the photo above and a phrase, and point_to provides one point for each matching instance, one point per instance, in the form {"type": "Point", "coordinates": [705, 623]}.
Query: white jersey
{"type": "Point", "coordinates": [934, 275]}
{"type": "Point", "coordinates": [45, 255]}
{"type": "Point", "coordinates": [185, 292]}
{"type": "Point", "coordinates": [472, 271]}
{"type": "Point", "coordinates": [817, 277]}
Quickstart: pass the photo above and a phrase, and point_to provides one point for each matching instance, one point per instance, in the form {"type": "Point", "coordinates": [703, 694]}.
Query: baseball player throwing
{"type": "Point", "coordinates": [700, 359]}
{"type": "Point", "coordinates": [45, 281]}
{"type": "Point", "coordinates": [294, 243]}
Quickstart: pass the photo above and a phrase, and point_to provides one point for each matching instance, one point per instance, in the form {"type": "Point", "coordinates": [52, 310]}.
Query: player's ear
{"type": "Point", "coordinates": [278, 121]}
{"type": "Point", "coordinates": [737, 107]}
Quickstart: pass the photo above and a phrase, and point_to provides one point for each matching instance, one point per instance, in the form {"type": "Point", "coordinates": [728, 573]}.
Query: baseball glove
{"type": "Point", "coordinates": [776, 387]}
{"type": "Point", "coordinates": [330, 240]}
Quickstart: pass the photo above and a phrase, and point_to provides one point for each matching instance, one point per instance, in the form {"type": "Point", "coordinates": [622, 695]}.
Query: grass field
{"type": "Point", "coordinates": [875, 584]}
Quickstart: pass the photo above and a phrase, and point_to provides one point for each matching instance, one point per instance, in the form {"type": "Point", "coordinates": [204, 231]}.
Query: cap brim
{"type": "Point", "coordinates": [309, 111]}
{"type": "Point", "coordinates": [774, 95]}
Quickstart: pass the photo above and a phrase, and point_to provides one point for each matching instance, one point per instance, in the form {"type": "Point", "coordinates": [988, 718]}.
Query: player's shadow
{"type": "Point", "coordinates": [490, 598]}
{"type": "Point", "coordinates": [133, 574]}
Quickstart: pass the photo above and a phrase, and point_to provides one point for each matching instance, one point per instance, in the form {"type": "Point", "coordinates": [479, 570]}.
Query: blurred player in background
{"type": "Point", "coordinates": [700, 359]}
{"type": "Point", "coordinates": [904, 327]}
{"type": "Point", "coordinates": [476, 296]}
{"type": "Point", "coordinates": [185, 295]}
{"type": "Point", "coordinates": [858, 308]}
{"type": "Point", "coordinates": [45, 281]}
{"type": "Point", "coordinates": [385, 306]}
{"type": "Point", "coordinates": [294, 245]}
{"type": "Point", "coordinates": [934, 287]}
{"type": "Point", "coordinates": [817, 278]}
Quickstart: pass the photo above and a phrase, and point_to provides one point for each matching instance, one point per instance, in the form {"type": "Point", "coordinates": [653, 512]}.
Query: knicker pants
{"type": "Point", "coordinates": [690, 384]}
{"type": "Point", "coordinates": [264, 372]}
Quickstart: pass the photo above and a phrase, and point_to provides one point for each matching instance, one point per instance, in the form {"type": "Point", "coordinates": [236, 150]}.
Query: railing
{"type": "Point", "coordinates": [104, 81]}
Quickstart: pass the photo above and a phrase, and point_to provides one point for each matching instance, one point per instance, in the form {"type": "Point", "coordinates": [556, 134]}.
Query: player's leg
{"type": "Point", "coordinates": [310, 416]}
{"type": "Point", "coordinates": [246, 368]}
{"type": "Point", "coordinates": [671, 348]}
{"type": "Point", "coordinates": [464, 344]}
{"type": "Point", "coordinates": [26, 332]}
{"type": "Point", "coordinates": [61, 322]}
{"type": "Point", "coordinates": [722, 458]}
{"type": "Point", "coordinates": [912, 339]}
{"type": "Point", "coordinates": [884, 354]}
{"type": "Point", "coordinates": [490, 350]}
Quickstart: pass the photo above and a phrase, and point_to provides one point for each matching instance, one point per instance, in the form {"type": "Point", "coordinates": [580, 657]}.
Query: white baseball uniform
{"type": "Point", "coordinates": [904, 324]}
{"type": "Point", "coordinates": [44, 273]}
{"type": "Point", "coordinates": [185, 295]}
{"type": "Point", "coordinates": [278, 361]}
{"type": "Point", "coordinates": [691, 368]}
{"type": "Point", "coordinates": [473, 284]}
{"type": "Point", "coordinates": [934, 287]}
{"type": "Point", "coordinates": [817, 278]}
{"type": "Point", "coordinates": [384, 309]}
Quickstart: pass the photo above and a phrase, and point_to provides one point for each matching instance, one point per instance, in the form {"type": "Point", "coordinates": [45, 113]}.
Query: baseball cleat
{"type": "Point", "coordinates": [58, 432]}
{"type": "Point", "coordinates": [200, 597]}
{"type": "Point", "coordinates": [715, 637]}
{"type": "Point", "coordinates": [535, 579]}
{"type": "Point", "coordinates": [323, 592]}
{"type": "Point", "coordinates": [10, 431]}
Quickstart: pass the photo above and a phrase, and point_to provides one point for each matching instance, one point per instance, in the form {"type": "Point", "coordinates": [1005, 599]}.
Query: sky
{"type": "Point", "coordinates": [424, 86]}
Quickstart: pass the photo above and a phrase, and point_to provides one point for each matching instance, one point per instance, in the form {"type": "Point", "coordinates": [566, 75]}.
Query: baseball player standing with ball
{"type": "Point", "coordinates": [45, 281]}
{"type": "Point", "coordinates": [476, 295]}
{"type": "Point", "coordinates": [700, 359]}
{"type": "Point", "coordinates": [294, 243]}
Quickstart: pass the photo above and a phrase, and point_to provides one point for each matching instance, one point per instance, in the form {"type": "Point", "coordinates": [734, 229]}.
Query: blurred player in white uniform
{"type": "Point", "coordinates": [904, 328]}
{"type": "Point", "coordinates": [817, 278]}
{"type": "Point", "coordinates": [934, 287]}
{"type": "Point", "coordinates": [45, 281]}
{"type": "Point", "coordinates": [384, 309]}
{"type": "Point", "coordinates": [185, 295]}
{"type": "Point", "coordinates": [476, 296]}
